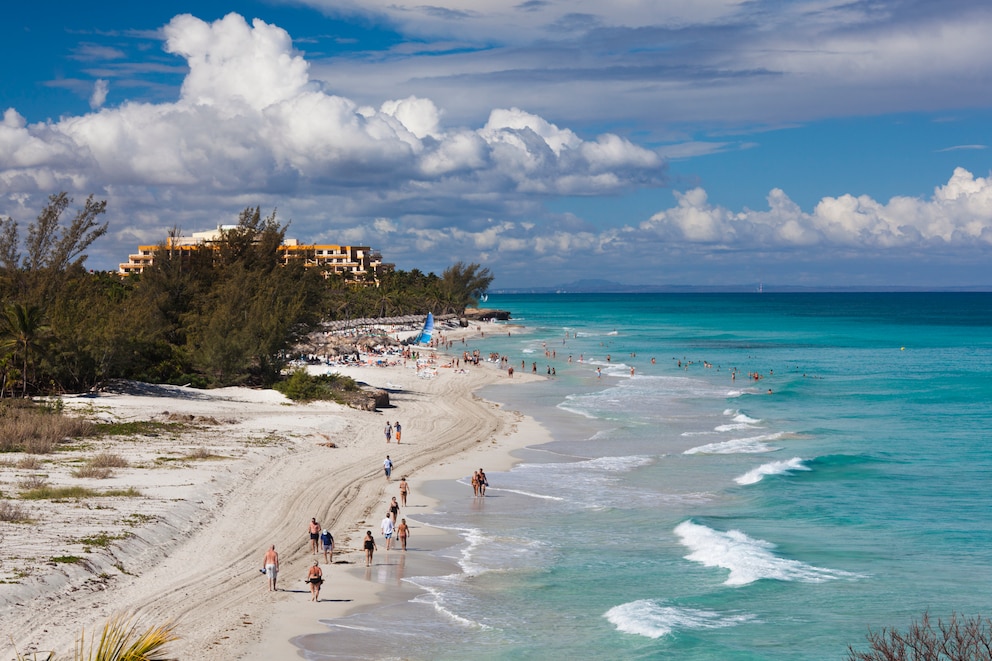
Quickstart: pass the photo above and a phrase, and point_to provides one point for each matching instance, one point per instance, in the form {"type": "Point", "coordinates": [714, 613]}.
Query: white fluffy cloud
{"type": "Point", "coordinates": [252, 127]}
{"type": "Point", "coordinates": [958, 213]}
{"type": "Point", "coordinates": [249, 119]}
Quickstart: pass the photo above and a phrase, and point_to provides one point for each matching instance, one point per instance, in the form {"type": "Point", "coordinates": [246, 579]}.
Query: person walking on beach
{"type": "Point", "coordinates": [314, 535]}
{"type": "Point", "coordinates": [370, 547]}
{"type": "Point", "coordinates": [483, 482]}
{"type": "Point", "coordinates": [399, 431]}
{"type": "Point", "coordinates": [315, 577]}
{"type": "Point", "coordinates": [271, 564]}
{"type": "Point", "coordinates": [404, 490]}
{"type": "Point", "coordinates": [394, 509]}
{"type": "Point", "coordinates": [387, 467]}
{"type": "Point", "coordinates": [403, 531]}
{"type": "Point", "coordinates": [388, 431]}
{"type": "Point", "coordinates": [387, 530]}
{"type": "Point", "coordinates": [475, 483]}
{"type": "Point", "coordinates": [327, 541]}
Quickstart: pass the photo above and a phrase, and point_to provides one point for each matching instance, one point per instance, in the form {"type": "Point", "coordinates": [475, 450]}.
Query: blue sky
{"type": "Point", "coordinates": [713, 142]}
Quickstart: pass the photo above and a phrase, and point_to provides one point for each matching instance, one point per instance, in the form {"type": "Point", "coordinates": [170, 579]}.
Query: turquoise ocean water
{"type": "Point", "coordinates": [683, 514]}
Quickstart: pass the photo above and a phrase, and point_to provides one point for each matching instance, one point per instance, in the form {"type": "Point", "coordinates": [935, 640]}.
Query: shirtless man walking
{"type": "Point", "coordinates": [314, 535]}
{"type": "Point", "coordinates": [271, 564]}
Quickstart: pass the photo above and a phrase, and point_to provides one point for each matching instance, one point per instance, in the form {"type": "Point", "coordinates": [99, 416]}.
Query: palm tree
{"type": "Point", "coordinates": [23, 331]}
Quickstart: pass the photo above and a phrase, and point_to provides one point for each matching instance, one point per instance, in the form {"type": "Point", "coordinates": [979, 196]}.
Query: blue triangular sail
{"type": "Point", "coordinates": [428, 331]}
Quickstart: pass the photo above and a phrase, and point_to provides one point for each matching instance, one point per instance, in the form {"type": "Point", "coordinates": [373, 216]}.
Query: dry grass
{"type": "Point", "coordinates": [108, 460]}
{"type": "Point", "coordinates": [33, 482]}
{"type": "Point", "coordinates": [95, 472]}
{"type": "Point", "coordinates": [31, 463]}
{"type": "Point", "coordinates": [13, 512]}
{"type": "Point", "coordinates": [37, 430]}
{"type": "Point", "coordinates": [100, 466]}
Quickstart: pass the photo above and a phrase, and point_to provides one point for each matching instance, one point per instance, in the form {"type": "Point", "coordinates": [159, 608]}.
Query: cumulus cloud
{"type": "Point", "coordinates": [959, 213]}
{"type": "Point", "coordinates": [249, 118]}
{"type": "Point", "coordinates": [252, 126]}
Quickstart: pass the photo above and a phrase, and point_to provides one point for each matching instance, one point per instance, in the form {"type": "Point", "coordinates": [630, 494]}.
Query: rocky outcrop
{"type": "Point", "coordinates": [478, 314]}
{"type": "Point", "coordinates": [367, 398]}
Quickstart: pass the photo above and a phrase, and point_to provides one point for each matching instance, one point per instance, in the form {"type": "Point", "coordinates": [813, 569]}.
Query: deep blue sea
{"type": "Point", "coordinates": [689, 511]}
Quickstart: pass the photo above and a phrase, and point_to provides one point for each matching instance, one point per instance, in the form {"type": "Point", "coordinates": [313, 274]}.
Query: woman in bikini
{"type": "Point", "coordinates": [403, 531]}
{"type": "Point", "coordinates": [315, 577]}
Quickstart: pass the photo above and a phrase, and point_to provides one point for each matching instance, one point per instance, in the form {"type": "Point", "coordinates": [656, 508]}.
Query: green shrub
{"type": "Point", "coordinates": [301, 386]}
{"type": "Point", "coordinates": [58, 493]}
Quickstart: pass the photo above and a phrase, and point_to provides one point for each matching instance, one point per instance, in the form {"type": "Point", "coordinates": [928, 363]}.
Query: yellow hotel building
{"type": "Point", "coordinates": [357, 262]}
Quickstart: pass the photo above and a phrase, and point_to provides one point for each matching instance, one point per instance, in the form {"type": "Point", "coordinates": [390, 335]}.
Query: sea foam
{"type": "Point", "coordinates": [773, 468]}
{"type": "Point", "coordinates": [747, 445]}
{"type": "Point", "coordinates": [747, 559]}
{"type": "Point", "coordinates": [652, 619]}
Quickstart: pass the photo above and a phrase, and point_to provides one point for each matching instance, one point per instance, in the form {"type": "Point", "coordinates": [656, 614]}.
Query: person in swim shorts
{"type": "Point", "coordinates": [271, 564]}
{"type": "Point", "coordinates": [314, 535]}
{"type": "Point", "coordinates": [403, 531]}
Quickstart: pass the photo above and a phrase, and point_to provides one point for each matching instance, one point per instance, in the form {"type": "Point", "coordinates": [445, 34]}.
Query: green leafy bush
{"type": "Point", "coordinates": [301, 386]}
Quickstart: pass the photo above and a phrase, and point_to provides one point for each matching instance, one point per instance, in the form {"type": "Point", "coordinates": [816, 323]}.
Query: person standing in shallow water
{"type": "Point", "coordinates": [483, 482]}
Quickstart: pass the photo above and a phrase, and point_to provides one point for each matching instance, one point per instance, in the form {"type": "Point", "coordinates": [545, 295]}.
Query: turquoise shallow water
{"type": "Point", "coordinates": [683, 514]}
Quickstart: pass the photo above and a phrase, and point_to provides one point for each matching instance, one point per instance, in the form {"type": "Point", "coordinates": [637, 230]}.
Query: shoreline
{"type": "Point", "coordinates": [195, 559]}
{"type": "Point", "coordinates": [361, 590]}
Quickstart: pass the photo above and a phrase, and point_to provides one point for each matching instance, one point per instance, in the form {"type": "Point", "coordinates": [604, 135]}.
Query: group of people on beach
{"type": "Point", "coordinates": [391, 429]}
{"type": "Point", "coordinates": [321, 540]}
{"type": "Point", "coordinates": [389, 525]}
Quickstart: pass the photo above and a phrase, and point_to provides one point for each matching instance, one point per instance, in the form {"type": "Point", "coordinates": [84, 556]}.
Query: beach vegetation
{"type": "Point", "coordinates": [109, 460]}
{"type": "Point", "coordinates": [48, 492]}
{"type": "Point", "coordinates": [201, 453]}
{"type": "Point", "coordinates": [101, 540]}
{"type": "Point", "coordinates": [66, 559]}
{"type": "Point", "coordinates": [301, 386]}
{"type": "Point", "coordinates": [13, 512]}
{"type": "Point", "coordinates": [957, 639]}
{"type": "Point", "coordinates": [28, 427]}
{"type": "Point", "coordinates": [92, 472]}
{"type": "Point", "coordinates": [30, 462]}
{"type": "Point", "coordinates": [118, 640]}
{"type": "Point", "coordinates": [135, 428]}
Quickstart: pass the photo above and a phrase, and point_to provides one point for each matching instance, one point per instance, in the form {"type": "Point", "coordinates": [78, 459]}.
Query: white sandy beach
{"type": "Point", "coordinates": [189, 548]}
